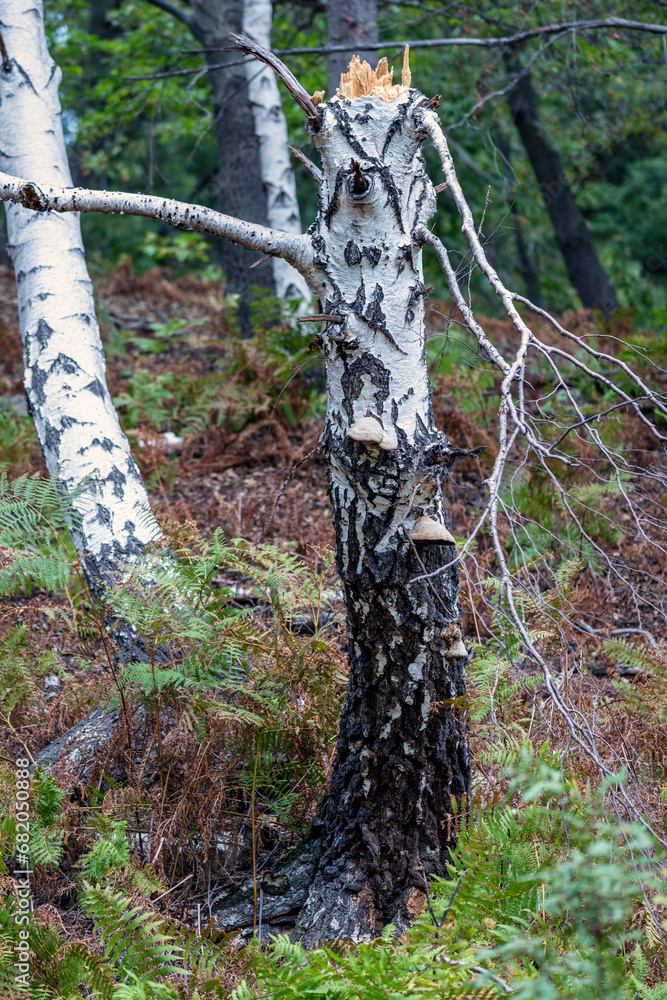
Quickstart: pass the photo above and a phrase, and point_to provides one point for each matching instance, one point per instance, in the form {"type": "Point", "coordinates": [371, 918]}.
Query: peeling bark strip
{"type": "Point", "coordinates": [65, 381]}
{"type": "Point", "coordinates": [402, 754]}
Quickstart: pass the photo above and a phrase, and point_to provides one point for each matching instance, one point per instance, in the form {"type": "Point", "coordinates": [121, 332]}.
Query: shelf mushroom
{"type": "Point", "coordinates": [456, 648]}
{"type": "Point", "coordinates": [428, 530]}
{"type": "Point", "coordinates": [370, 431]}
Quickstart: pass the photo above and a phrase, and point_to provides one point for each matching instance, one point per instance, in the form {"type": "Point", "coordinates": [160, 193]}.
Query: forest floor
{"type": "Point", "coordinates": [225, 432]}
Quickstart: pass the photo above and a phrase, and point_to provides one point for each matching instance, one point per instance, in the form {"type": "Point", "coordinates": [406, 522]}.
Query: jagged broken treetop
{"type": "Point", "coordinates": [362, 81]}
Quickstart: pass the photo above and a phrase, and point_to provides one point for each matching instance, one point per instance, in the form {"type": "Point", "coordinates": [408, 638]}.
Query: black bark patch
{"type": "Point", "coordinates": [52, 437]}
{"type": "Point", "coordinates": [37, 383]}
{"type": "Point", "coordinates": [133, 546]}
{"type": "Point", "coordinates": [106, 444]}
{"type": "Point", "coordinates": [374, 314]}
{"type": "Point", "coordinates": [352, 254]}
{"type": "Point", "coordinates": [334, 201]}
{"type": "Point", "coordinates": [359, 303]}
{"type": "Point", "coordinates": [372, 255]}
{"type": "Point", "coordinates": [405, 256]}
{"type": "Point", "coordinates": [67, 422]}
{"type": "Point", "coordinates": [103, 515]}
{"type": "Point", "coordinates": [64, 364]}
{"type": "Point", "coordinates": [392, 193]}
{"type": "Point", "coordinates": [421, 198]}
{"type": "Point", "coordinates": [344, 124]}
{"type": "Point", "coordinates": [96, 388]}
{"type": "Point", "coordinates": [119, 480]}
{"type": "Point", "coordinates": [376, 318]}
{"type": "Point", "coordinates": [396, 126]}
{"type": "Point", "coordinates": [132, 470]}
{"type": "Point", "coordinates": [352, 382]}
{"type": "Point", "coordinates": [416, 292]}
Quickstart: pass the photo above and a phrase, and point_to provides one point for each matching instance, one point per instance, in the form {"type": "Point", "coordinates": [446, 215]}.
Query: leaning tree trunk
{"type": "Point", "coordinates": [65, 379]}
{"type": "Point", "coordinates": [570, 227]}
{"type": "Point", "coordinates": [351, 23]}
{"type": "Point", "coordinates": [255, 177]}
{"type": "Point", "coordinates": [401, 768]}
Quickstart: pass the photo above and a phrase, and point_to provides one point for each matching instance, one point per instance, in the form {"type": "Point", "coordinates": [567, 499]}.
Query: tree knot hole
{"type": "Point", "coordinates": [32, 197]}
{"type": "Point", "coordinates": [358, 184]}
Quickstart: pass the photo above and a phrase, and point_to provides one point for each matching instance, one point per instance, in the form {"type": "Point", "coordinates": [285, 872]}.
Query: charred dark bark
{"type": "Point", "coordinates": [350, 22]}
{"type": "Point", "coordinates": [570, 227]}
{"type": "Point", "coordinates": [402, 759]}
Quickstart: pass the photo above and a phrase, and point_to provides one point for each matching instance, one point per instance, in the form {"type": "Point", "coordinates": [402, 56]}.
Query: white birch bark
{"type": "Point", "coordinates": [65, 381]}
{"type": "Point", "coordinates": [271, 130]}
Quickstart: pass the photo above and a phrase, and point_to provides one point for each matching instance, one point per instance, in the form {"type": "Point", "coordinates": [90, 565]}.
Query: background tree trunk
{"type": "Point", "coordinates": [526, 265]}
{"type": "Point", "coordinates": [401, 756]}
{"type": "Point", "coordinates": [98, 18]}
{"type": "Point", "coordinates": [255, 179]}
{"type": "Point", "coordinates": [570, 227]}
{"type": "Point", "coordinates": [350, 22]}
{"type": "Point", "coordinates": [282, 208]}
{"type": "Point", "coordinates": [65, 380]}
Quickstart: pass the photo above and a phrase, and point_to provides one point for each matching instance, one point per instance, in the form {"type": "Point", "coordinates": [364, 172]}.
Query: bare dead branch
{"type": "Point", "coordinates": [293, 248]}
{"type": "Point", "coordinates": [312, 168]}
{"type": "Point", "coordinates": [562, 28]}
{"type": "Point", "coordinates": [298, 92]}
{"type": "Point", "coordinates": [171, 8]}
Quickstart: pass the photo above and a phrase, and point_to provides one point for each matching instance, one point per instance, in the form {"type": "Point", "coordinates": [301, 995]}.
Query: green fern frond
{"type": "Point", "coordinates": [133, 940]}
{"type": "Point", "coordinates": [628, 653]}
{"type": "Point", "coordinates": [108, 854]}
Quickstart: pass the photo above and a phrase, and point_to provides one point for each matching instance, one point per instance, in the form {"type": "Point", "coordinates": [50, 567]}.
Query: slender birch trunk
{"type": "Point", "coordinates": [401, 768]}
{"type": "Point", "coordinates": [255, 178]}
{"type": "Point", "coordinates": [282, 208]}
{"type": "Point", "coordinates": [65, 380]}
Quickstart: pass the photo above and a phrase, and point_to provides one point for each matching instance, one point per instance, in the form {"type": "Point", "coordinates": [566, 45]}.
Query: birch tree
{"type": "Point", "coordinates": [402, 770]}
{"type": "Point", "coordinates": [255, 177]}
{"type": "Point", "coordinates": [65, 380]}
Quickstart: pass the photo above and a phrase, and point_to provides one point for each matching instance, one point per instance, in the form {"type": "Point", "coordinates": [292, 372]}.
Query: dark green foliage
{"type": "Point", "coordinates": [34, 515]}
{"type": "Point", "coordinates": [46, 819]}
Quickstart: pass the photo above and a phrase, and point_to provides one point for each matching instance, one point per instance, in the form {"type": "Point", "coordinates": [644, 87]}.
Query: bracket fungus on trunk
{"type": "Point", "coordinates": [370, 431]}
{"type": "Point", "coordinates": [426, 529]}
{"type": "Point", "coordinates": [456, 648]}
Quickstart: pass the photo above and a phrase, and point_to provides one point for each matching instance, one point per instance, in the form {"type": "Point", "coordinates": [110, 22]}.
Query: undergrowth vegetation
{"type": "Point", "coordinates": [227, 719]}
{"type": "Point", "coordinates": [222, 719]}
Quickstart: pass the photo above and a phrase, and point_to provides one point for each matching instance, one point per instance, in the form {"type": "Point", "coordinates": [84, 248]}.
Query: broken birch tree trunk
{"type": "Point", "coordinates": [401, 758]}
{"type": "Point", "coordinates": [65, 372]}
{"type": "Point", "coordinates": [401, 769]}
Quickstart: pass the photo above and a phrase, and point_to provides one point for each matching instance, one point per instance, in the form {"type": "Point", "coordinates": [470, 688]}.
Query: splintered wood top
{"type": "Point", "coordinates": [362, 81]}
